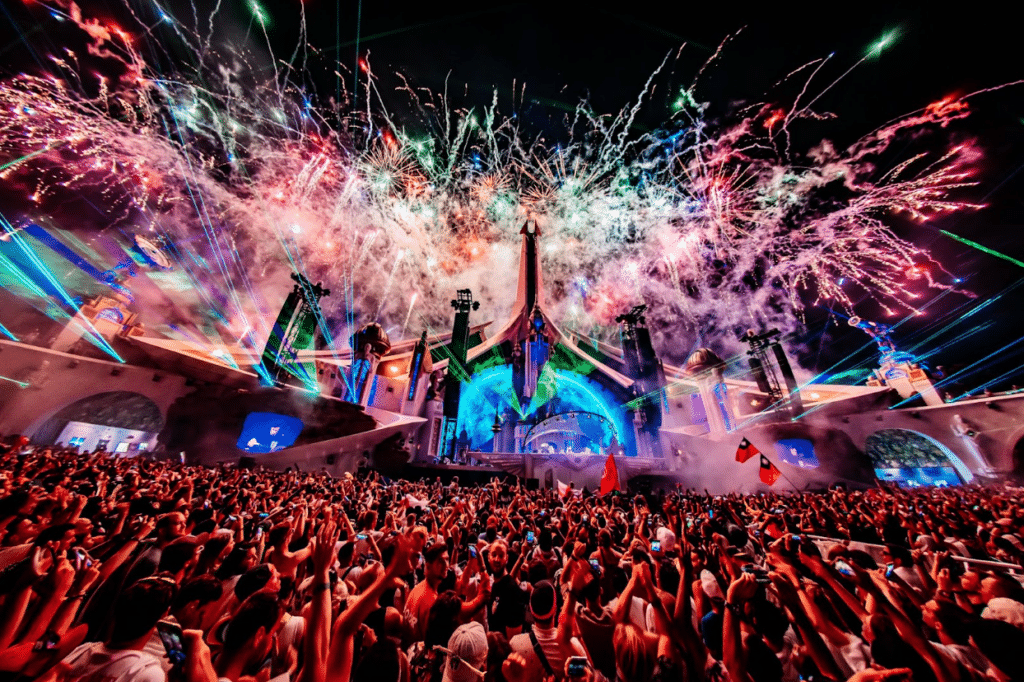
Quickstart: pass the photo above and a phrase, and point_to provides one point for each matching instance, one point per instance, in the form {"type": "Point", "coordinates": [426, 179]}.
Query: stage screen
{"type": "Point", "coordinates": [920, 476]}
{"type": "Point", "coordinates": [265, 432]}
{"type": "Point", "coordinates": [797, 451]}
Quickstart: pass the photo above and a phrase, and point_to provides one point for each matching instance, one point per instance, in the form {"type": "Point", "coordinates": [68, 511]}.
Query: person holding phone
{"type": "Point", "coordinates": [189, 611]}
{"type": "Point", "coordinates": [122, 657]}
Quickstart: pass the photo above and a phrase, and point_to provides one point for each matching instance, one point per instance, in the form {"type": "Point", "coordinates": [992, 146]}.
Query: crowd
{"type": "Point", "coordinates": [133, 570]}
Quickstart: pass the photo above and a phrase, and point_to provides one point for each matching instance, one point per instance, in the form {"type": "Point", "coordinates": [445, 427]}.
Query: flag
{"type": "Point", "coordinates": [610, 477]}
{"type": "Point", "coordinates": [564, 490]}
{"type": "Point", "coordinates": [769, 472]}
{"type": "Point", "coordinates": [745, 451]}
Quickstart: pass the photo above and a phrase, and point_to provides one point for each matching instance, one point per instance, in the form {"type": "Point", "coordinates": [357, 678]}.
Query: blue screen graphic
{"type": "Point", "coordinates": [268, 432]}
{"type": "Point", "coordinates": [797, 451]}
{"type": "Point", "coordinates": [918, 477]}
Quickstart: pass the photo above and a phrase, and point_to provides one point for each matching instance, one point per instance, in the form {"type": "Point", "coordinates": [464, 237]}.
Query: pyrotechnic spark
{"type": "Point", "coordinates": [709, 224]}
{"type": "Point", "coordinates": [885, 41]}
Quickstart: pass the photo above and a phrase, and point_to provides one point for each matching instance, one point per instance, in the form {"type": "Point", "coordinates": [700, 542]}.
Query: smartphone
{"type": "Point", "coordinates": [259, 532]}
{"type": "Point", "coordinates": [530, 537]}
{"type": "Point", "coordinates": [361, 536]}
{"type": "Point", "coordinates": [890, 570]}
{"type": "Point", "coordinates": [656, 546]}
{"type": "Point", "coordinates": [797, 539]}
{"type": "Point", "coordinates": [844, 568]}
{"type": "Point", "coordinates": [263, 515]}
{"type": "Point", "coordinates": [595, 566]}
{"type": "Point", "coordinates": [472, 552]}
{"type": "Point", "coordinates": [577, 666]}
{"type": "Point", "coordinates": [711, 513]}
{"type": "Point", "coordinates": [48, 642]}
{"type": "Point", "coordinates": [760, 575]}
{"type": "Point", "coordinates": [170, 636]}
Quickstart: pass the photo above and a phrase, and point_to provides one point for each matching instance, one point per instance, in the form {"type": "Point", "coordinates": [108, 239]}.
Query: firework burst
{"type": "Point", "coordinates": [719, 227]}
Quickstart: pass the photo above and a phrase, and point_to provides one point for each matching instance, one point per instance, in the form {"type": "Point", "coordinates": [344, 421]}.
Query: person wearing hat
{"type": "Point", "coordinates": [540, 647]}
{"type": "Point", "coordinates": [466, 654]}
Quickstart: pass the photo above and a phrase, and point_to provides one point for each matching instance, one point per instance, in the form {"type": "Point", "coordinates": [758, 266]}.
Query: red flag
{"type": "Point", "coordinates": [769, 472]}
{"type": "Point", "coordinates": [745, 451]}
{"type": "Point", "coordinates": [610, 477]}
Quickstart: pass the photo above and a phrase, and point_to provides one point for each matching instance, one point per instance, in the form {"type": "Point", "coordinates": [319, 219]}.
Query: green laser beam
{"type": "Point", "coordinates": [31, 155]}
{"type": "Point", "coordinates": [985, 249]}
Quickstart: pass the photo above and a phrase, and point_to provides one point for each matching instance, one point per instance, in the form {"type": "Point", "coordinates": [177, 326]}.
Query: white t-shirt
{"type": "Point", "coordinates": [548, 641]}
{"type": "Point", "coordinates": [94, 662]}
{"type": "Point", "coordinates": [637, 611]}
{"type": "Point", "coordinates": [852, 657]}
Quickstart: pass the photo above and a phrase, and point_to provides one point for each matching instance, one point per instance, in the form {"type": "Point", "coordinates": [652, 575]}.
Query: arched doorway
{"type": "Point", "coordinates": [116, 421]}
{"type": "Point", "coordinates": [912, 459]}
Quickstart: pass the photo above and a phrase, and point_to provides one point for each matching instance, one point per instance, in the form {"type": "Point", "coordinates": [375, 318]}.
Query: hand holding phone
{"type": "Point", "coordinates": [577, 666]}
{"type": "Point", "coordinates": [170, 636]}
{"type": "Point", "coordinates": [844, 568]}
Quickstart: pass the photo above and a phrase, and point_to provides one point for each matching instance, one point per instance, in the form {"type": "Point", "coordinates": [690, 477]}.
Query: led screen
{"type": "Point", "coordinates": [920, 476]}
{"type": "Point", "coordinates": [797, 451]}
{"type": "Point", "coordinates": [268, 432]}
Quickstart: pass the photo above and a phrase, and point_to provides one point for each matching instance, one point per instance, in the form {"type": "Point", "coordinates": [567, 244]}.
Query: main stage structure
{"type": "Point", "coordinates": [524, 397]}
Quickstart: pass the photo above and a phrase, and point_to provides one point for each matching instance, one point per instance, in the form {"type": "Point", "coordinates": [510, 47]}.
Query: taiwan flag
{"type": "Point", "coordinates": [610, 477]}
{"type": "Point", "coordinates": [769, 472]}
{"type": "Point", "coordinates": [745, 451]}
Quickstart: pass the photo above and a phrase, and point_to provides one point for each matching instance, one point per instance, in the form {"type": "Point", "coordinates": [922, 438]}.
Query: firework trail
{"type": "Point", "coordinates": [718, 226]}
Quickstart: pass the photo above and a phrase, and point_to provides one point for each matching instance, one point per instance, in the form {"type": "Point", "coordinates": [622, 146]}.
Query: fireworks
{"type": "Point", "coordinates": [719, 228]}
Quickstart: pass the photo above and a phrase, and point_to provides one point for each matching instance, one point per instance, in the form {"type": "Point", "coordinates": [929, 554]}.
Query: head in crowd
{"type": "Point", "coordinates": [139, 608]}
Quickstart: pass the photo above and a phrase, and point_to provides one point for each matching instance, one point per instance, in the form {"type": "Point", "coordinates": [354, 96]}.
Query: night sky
{"type": "Point", "coordinates": [565, 51]}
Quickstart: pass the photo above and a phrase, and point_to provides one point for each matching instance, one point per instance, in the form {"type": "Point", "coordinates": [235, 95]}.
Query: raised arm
{"type": "Point", "coordinates": [317, 639]}
{"type": "Point", "coordinates": [734, 653]}
{"type": "Point", "coordinates": [340, 655]}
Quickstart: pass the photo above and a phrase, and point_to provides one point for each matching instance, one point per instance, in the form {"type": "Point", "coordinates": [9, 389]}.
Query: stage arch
{"type": "Point", "coordinates": [106, 420]}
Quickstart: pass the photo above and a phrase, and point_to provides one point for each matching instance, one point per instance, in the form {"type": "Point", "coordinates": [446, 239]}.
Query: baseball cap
{"type": "Point", "coordinates": [710, 585]}
{"type": "Point", "coordinates": [667, 539]}
{"type": "Point", "coordinates": [1006, 610]}
{"type": "Point", "coordinates": [467, 654]}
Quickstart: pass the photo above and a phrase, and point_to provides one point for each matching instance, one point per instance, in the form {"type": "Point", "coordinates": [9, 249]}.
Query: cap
{"type": "Point", "coordinates": [1006, 610]}
{"type": "Point", "coordinates": [667, 539]}
{"type": "Point", "coordinates": [467, 654]}
{"type": "Point", "coordinates": [710, 585]}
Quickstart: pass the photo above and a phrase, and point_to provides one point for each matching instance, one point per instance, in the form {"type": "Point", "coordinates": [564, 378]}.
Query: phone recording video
{"type": "Point", "coordinates": [170, 636]}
